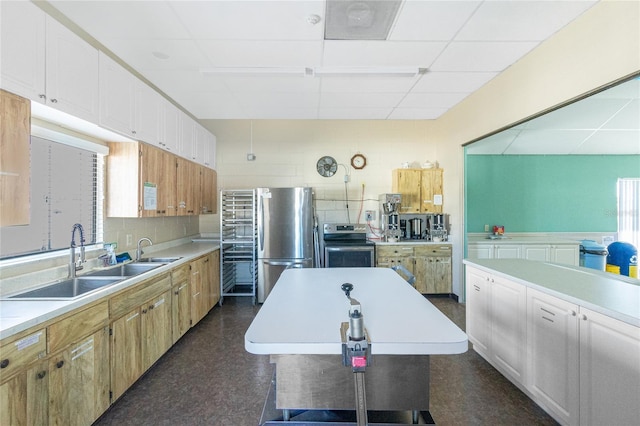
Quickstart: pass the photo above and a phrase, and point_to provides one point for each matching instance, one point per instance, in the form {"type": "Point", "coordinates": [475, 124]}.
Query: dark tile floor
{"type": "Point", "coordinates": [208, 378]}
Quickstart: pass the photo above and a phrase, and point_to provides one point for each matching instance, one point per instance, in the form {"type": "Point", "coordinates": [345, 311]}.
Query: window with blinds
{"type": "Point", "coordinates": [66, 188]}
{"type": "Point", "coordinates": [629, 211]}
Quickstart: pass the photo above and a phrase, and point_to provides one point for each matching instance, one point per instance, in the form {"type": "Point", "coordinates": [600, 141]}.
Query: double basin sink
{"type": "Point", "coordinates": [92, 281]}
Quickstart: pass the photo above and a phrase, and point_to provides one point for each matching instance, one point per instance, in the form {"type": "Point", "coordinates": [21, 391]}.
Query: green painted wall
{"type": "Point", "coordinates": [553, 193]}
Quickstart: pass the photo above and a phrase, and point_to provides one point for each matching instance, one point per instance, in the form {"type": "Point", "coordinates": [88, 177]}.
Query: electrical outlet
{"type": "Point", "coordinates": [486, 228]}
{"type": "Point", "coordinates": [369, 215]}
{"type": "Point", "coordinates": [129, 240]}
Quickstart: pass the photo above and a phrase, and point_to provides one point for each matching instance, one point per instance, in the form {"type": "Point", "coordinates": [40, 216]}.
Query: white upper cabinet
{"type": "Point", "coordinates": [22, 42]}
{"type": "Point", "coordinates": [72, 83]}
{"type": "Point", "coordinates": [169, 129]}
{"type": "Point", "coordinates": [187, 137]}
{"type": "Point", "coordinates": [44, 61]}
{"type": "Point", "coordinates": [147, 118]}
{"type": "Point", "coordinates": [117, 97]}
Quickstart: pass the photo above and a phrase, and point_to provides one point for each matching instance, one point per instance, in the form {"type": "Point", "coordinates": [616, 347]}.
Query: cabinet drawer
{"type": "Point", "coordinates": [20, 352]}
{"type": "Point", "coordinates": [432, 250]}
{"type": "Point", "coordinates": [180, 274]}
{"type": "Point", "coordinates": [394, 251]}
{"type": "Point", "coordinates": [77, 326]}
{"type": "Point", "coordinates": [146, 290]}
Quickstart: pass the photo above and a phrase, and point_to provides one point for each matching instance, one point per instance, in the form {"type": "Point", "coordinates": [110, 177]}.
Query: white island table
{"type": "Point", "coordinates": [299, 326]}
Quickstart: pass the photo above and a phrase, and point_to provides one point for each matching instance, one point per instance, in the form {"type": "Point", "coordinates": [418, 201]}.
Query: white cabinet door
{"type": "Point", "coordinates": [148, 118]}
{"type": "Point", "coordinates": [187, 137]}
{"type": "Point", "coordinates": [480, 251]}
{"type": "Point", "coordinates": [479, 311]}
{"type": "Point", "coordinates": [609, 370]}
{"type": "Point", "coordinates": [169, 131]}
{"type": "Point", "coordinates": [117, 97]}
{"type": "Point", "coordinates": [22, 49]}
{"type": "Point", "coordinates": [539, 252]}
{"type": "Point", "coordinates": [509, 327]}
{"type": "Point", "coordinates": [568, 254]}
{"type": "Point", "coordinates": [508, 251]}
{"type": "Point", "coordinates": [72, 82]}
{"type": "Point", "coordinates": [552, 345]}
{"type": "Point", "coordinates": [210, 151]}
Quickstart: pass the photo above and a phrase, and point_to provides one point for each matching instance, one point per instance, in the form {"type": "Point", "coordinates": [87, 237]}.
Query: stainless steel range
{"type": "Point", "coordinates": [346, 245]}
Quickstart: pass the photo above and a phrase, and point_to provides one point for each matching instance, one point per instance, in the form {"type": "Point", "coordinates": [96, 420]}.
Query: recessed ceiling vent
{"type": "Point", "coordinates": [360, 20]}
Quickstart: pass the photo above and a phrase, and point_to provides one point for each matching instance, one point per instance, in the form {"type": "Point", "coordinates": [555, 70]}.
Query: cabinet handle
{"type": "Point", "coordinates": [144, 311]}
{"type": "Point", "coordinates": [133, 132]}
{"type": "Point", "coordinates": [572, 313]}
{"type": "Point", "coordinates": [150, 307]}
{"type": "Point", "coordinates": [41, 375]}
{"type": "Point", "coordinates": [42, 96]}
{"type": "Point", "coordinates": [4, 363]}
{"type": "Point", "coordinates": [54, 101]}
{"type": "Point", "coordinates": [176, 292]}
{"type": "Point", "coordinates": [59, 364]}
{"type": "Point", "coordinates": [583, 317]}
{"type": "Point", "coordinates": [476, 288]}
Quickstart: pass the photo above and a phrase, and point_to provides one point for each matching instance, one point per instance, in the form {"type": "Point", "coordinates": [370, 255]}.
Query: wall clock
{"type": "Point", "coordinates": [358, 161]}
{"type": "Point", "coordinates": [327, 166]}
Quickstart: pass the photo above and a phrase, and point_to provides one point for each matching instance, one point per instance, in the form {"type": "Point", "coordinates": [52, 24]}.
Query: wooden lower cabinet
{"type": "Point", "coordinates": [79, 381]}
{"type": "Point", "coordinates": [430, 264]}
{"type": "Point", "coordinates": [180, 302]}
{"type": "Point", "coordinates": [156, 329]}
{"type": "Point", "coordinates": [24, 398]}
{"type": "Point", "coordinates": [214, 294]}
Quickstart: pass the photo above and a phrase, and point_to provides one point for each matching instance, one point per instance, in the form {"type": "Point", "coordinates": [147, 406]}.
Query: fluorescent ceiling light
{"type": "Point", "coordinates": [369, 71]}
{"type": "Point", "coordinates": [301, 71]}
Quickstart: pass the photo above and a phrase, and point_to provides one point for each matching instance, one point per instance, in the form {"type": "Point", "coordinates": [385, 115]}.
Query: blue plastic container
{"type": "Point", "coordinates": [622, 259]}
{"type": "Point", "coordinates": [593, 255]}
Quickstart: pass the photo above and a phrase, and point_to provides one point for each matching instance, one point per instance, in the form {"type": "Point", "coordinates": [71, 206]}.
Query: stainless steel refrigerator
{"type": "Point", "coordinates": [285, 233]}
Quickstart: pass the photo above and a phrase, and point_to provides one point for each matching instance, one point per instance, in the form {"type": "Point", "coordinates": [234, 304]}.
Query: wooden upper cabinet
{"type": "Point", "coordinates": [15, 164]}
{"type": "Point", "coordinates": [188, 187]}
{"type": "Point", "coordinates": [421, 190]}
{"type": "Point", "coordinates": [208, 191]}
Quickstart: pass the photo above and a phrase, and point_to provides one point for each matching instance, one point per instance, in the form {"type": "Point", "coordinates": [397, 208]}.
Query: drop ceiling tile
{"type": "Point", "coordinates": [276, 100]}
{"type": "Point", "coordinates": [243, 53]}
{"type": "Point", "coordinates": [282, 113]}
{"type": "Point", "coordinates": [627, 118]}
{"type": "Point", "coordinates": [481, 56]}
{"type": "Point", "coordinates": [494, 144]}
{"type": "Point", "coordinates": [432, 100]}
{"type": "Point", "coordinates": [251, 20]}
{"type": "Point", "coordinates": [124, 19]}
{"type": "Point", "coordinates": [364, 84]}
{"type": "Point", "coordinates": [590, 113]}
{"type": "Point", "coordinates": [614, 142]}
{"type": "Point", "coordinates": [416, 113]}
{"type": "Point", "coordinates": [346, 53]}
{"type": "Point", "coordinates": [431, 20]}
{"type": "Point", "coordinates": [364, 100]}
{"type": "Point", "coordinates": [452, 82]}
{"type": "Point", "coordinates": [353, 113]}
{"type": "Point", "coordinates": [520, 20]}
{"type": "Point", "coordinates": [211, 104]}
{"type": "Point", "coordinates": [553, 142]}
{"type": "Point", "coordinates": [182, 54]}
{"type": "Point", "coordinates": [271, 83]}
{"type": "Point", "coordinates": [173, 82]}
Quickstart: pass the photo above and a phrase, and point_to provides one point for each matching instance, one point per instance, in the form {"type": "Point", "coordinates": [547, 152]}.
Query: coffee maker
{"type": "Point", "coordinates": [437, 226]}
{"type": "Point", "coordinates": [389, 216]}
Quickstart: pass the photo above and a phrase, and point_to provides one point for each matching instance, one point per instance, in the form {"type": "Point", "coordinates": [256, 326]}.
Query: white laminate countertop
{"type": "Point", "coordinates": [411, 243]}
{"type": "Point", "coordinates": [19, 315]}
{"type": "Point", "coordinates": [599, 291]}
{"type": "Point", "coordinates": [519, 239]}
{"type": "Point", "coordinates": [306, 307]}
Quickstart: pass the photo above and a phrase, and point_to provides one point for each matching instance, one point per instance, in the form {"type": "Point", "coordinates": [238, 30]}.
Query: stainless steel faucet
{"type": "Point", "coordinates": [76, 264]}
{"type": "Point", "coordinates": [139, 251]}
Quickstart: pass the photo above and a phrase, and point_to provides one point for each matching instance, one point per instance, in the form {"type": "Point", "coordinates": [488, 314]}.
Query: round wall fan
{"type": "Point", "coordinates": [327, 166]}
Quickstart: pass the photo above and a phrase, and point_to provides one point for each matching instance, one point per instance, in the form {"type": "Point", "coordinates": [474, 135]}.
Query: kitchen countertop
{"type": "Point", "coordinates": [19, 315]}
{"type": "Point", "coordinates": [305, 309]}
{"type": "Point", "coordinates": [519, 239]}
{"type": "Point", "coordinates": [599, 291]}
{"type": "Point", "coordinates": [410, 242]}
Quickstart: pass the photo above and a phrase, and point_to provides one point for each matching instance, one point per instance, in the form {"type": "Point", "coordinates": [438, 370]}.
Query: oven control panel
{"type": "Point", "coordinates": [345, 228]}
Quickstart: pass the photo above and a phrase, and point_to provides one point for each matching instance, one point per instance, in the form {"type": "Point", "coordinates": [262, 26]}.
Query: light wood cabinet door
{"type": "Point", "coordinates": [187, 179]}
{"type": "Point", "coordinates": [79, 381]}
{"type": "Point", "coordinates": [181, 309]}
{"type": "Point", "coordinates": [433, 274]}
{"type": "Point", "coordinates": [199, 297]}
{"type": "Point", "coordinates": [408, 183]}
{"type": "Point", "coordinates": [215, 278]}
{"type": "Point", "coordinates": [209, 190]}
{"type": "Point", "coordinates": [431, 198]}
{"type": "Point", "coordinates": [24, 399]}
{"type": "Point", "coordinates": [126, 352]}
{"type": "Point", "coordinates": [156, 329]}
{"type": "Point", "coordinates": [15, 162]}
